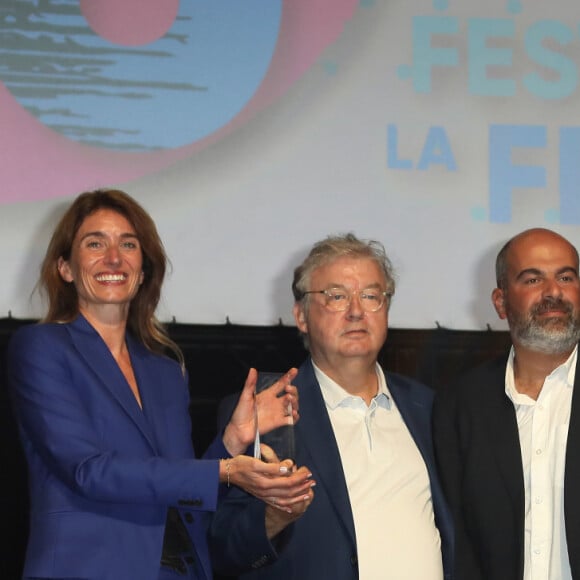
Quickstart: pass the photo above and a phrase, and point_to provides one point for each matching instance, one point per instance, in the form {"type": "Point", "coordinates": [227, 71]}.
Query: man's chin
{"type": "Point", "coordinates": [358, 349]}
{"type": "Point", "coordinates": [550, 342]}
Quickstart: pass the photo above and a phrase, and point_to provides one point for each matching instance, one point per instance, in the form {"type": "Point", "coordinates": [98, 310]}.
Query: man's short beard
{"type": "Point", "coordinates": [548, 336]}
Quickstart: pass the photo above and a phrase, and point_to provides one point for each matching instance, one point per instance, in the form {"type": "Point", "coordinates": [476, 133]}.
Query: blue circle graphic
{"type": "Point", "coordinates": [166, 94]}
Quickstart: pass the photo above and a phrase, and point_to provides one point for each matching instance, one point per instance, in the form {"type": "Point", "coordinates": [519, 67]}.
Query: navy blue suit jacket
{"type": "Point", "coordinates": [320, 545]}
{"type": "Point", "coordinates": [102, 472]}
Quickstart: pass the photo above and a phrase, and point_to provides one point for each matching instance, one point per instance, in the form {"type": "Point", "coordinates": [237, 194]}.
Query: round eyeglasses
{"type": "Point", "coordinates": [339, 299]}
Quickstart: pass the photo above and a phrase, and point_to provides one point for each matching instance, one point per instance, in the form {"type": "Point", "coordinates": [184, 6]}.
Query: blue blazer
{"type": "Point", "coordinates": [321, 544]}
{"type": "Point", "coordinates": [102, 472]}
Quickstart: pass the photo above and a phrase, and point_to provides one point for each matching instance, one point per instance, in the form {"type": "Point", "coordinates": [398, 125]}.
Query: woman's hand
{"type": "Point", "coordinates": [276, 406]}
{"type": "Point", "coordinates": [278, 483]}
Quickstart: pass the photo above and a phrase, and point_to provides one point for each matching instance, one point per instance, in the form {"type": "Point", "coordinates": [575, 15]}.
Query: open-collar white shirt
{"type": "Point", "coordinates": [543, 431]}
{"type": "Point", "coordinates": [388, 485]}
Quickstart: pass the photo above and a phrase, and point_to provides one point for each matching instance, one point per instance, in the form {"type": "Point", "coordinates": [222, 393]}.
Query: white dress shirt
{"type": "Point", "coordinates": [543, 432]}
{"type": "Point", "coordinates": [388, 486]}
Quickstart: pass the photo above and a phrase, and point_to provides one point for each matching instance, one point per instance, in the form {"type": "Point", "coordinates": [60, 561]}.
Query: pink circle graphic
{"type": "Point", "coordinates": [130, 22]}
{"type": "Point", "coordinates": [40, 164]}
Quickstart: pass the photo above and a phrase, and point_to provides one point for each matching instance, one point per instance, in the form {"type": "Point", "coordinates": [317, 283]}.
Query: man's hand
{"type": "Point", "coordinates": [278, 518]}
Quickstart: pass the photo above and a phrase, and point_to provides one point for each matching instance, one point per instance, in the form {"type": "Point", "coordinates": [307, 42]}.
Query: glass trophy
{"type": "Point", "coordinates": [281, 440]}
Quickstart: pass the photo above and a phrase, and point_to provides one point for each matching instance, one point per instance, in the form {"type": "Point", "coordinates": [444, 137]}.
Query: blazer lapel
{"type": "Point", "coordinates": [317, 438]}
{"type": "Point", "coordinates": [416, 413]}
{"type": "Point", "coordinates": [98, 357]}
{"type": "Point", "coordinates": [411, 408]}
{"type": "Point", "coordinates": [150, 380]}
{"type": "Point", "coordinates": [415, 410]}
{"type": "Point", "coordinates": [499, 418]}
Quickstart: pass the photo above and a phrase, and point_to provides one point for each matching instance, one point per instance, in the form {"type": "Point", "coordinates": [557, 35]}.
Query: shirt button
{"type": "Point", "coordinates": [538, 500]}
{"type": "Point", "coordinates": [538, 452]}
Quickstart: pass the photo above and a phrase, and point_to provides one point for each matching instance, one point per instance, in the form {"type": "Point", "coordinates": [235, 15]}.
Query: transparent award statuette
{"type": "Point", "coordinates": [281, 440]}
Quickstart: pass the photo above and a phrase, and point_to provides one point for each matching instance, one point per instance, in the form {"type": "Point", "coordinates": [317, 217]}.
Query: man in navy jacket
{"type": "Point", "coordinates": [365, 434]}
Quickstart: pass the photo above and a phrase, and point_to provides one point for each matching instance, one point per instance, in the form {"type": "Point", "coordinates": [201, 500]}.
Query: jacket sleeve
{"type": "Point", "coordinates": [237, 536]}
{"type": "Point", "coordinates": [73, 430]}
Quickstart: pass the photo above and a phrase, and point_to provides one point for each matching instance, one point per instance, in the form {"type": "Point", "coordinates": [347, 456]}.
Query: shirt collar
{"type": "Point", "coordinates": [567, 372]}
{"type": "Point", "coordinates": [334, 395]}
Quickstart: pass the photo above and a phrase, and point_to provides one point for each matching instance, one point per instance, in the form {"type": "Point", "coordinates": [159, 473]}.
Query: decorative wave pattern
{"type": "Point", "coordinates": [167, 93]}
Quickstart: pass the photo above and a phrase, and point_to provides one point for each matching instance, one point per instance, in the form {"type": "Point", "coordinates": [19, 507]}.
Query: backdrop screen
{"type": "Point", "coordinates": [249, 130]}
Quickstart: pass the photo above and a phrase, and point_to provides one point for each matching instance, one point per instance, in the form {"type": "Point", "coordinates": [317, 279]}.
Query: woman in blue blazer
{"type": "Point", "coordinates": [115, 490]}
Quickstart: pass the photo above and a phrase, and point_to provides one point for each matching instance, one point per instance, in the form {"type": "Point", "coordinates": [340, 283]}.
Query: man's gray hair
{"type": "Point", "coordinates": [341, 246]}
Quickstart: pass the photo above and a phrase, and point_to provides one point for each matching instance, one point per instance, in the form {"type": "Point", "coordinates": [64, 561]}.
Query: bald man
{"type": "Point", "coordinates": [507, 434]}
